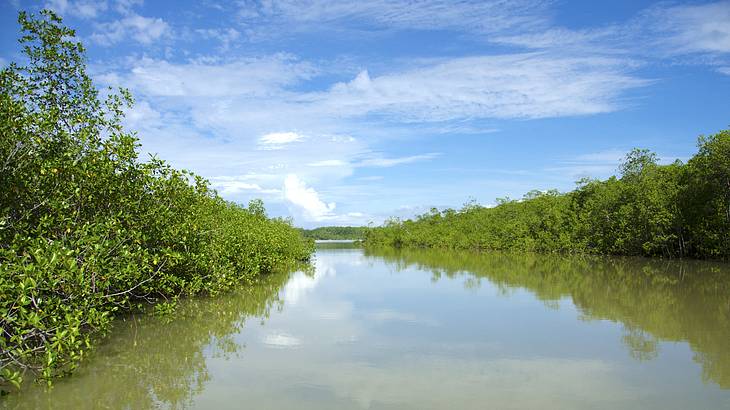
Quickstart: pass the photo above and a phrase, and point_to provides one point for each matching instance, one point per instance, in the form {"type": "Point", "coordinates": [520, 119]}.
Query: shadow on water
{"type": "Point", "coordinates": [151, 362]}
{"type": "Point", "coordinates": [655, 300]}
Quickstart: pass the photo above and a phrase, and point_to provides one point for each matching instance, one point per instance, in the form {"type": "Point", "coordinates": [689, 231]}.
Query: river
{"type": "Point", "coordinates": [404, 329]}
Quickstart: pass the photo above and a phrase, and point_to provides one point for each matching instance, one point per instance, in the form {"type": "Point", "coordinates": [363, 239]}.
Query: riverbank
{"type": "Point", "coordinates": [676, 210]}
{"type": "Point", "coordinates": [88, 230]}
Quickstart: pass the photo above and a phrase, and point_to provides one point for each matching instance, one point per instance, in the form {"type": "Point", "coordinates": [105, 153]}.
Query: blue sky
{"type": "Point", "coordinates": [346, 112]}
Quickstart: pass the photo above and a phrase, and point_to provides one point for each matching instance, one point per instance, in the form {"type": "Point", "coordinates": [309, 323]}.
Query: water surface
{"type": "Point", "coordinates": [387, 329]}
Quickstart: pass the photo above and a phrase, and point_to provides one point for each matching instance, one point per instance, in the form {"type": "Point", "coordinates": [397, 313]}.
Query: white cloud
{"type": "Point", "coordinates": [230, 186]}
{"type": "Point", "coordinates": [298, 193]}
{"type": "Point", "coordinates": [486, 16]}
{"type": "Point", "coordinates": [703, 28]}
{"type": "Point", "coordinates": [255, 92]}
{"type": "Point", "coordinates": [259, 92]}
{"type": "Point", "coordinates": [225, 36]}
{"type": "Point", "coordinates": [371, 178]}
{"type": "Point", "coordinates": [125, 6]}
{"type": "Point", "coordinates": [532, 85]}
{"type": "Point", "coordinates": [391, 162]}
{"type": "Point", "coordinates": [145, 30]}
{"type": "Point", "coordinates": [559, 39]}
{"type": "Point", "coordinates": [261, 76]}
{"type": "Point", "coordinates": [328, 163]}
{"type": "Point", "coordinates": [375, 161]}
{"type": "Point", "coordinates": [84, 9]}
{"type": "Point", "coordinates": [141, 114]}
{"type": "Point", "coordinates": [278, 140]}
{"type": "Point", "coordinates": [724, 70]}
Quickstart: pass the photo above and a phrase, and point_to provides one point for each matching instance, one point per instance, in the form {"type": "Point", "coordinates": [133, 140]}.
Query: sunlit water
{"type": "Point", "coordinates": [393, 329]}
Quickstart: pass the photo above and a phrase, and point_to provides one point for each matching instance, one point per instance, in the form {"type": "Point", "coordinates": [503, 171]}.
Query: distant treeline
{"type": "Point", "coordinates": [87, 229]}
{"type": "Point", "coordinates": [676, 210]}
{"type": "Point", "coordinates": [335, 232]}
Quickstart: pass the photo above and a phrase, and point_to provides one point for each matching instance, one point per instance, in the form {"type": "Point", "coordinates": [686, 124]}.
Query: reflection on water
{"type": "Point", "coordinates": [426, 329]}
{"type": "Point", "coordinates": [149, 361]}
{"type": "Point", "coordinates": [655, 300]}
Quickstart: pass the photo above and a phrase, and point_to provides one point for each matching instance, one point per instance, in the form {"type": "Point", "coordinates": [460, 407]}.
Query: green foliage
{"type": "Point", "coordinates": [707, 196]}
{"type": "Point", "coordinates": [336, 232]}
{"type": "Point", "coordinates": [87, 229]}
{"type": "Point", "coordinates": [674, 210]}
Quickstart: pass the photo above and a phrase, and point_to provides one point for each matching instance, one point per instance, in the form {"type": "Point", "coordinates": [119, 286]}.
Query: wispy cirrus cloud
{"type": "Point", "coordinates": [486, 16]}
{"type": "Point", "coordinates": [375, 160]}
{"type": "Point", "coordinates": [692, 28]}
{"type": "Point", "coordinates": [609, 40]}
{"type": "Point", "coordinates": [83, 9]}
{"type": "Point", "coordinates": [113, 24]}
{"type": "Point", "coordinates": [328, 163]}
{"type": "Point", "coordinates": [391, 162]}
{"type": "Point", "coordinates": [532, 85]}
{"type": "Point", "coordinates": [226, 36]}
{"type": "Point", "coordinates": [665, 30]}
{"type": "Point", "coordinates": [243, 77]}
{"type": "Point", "coordinates": [145, 30]}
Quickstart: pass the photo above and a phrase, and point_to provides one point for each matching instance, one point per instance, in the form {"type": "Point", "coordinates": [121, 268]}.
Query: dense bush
{"type": "Point", "coordinates": [671, 210]}
{"type": "Point", "coordinates": [87, 229]}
